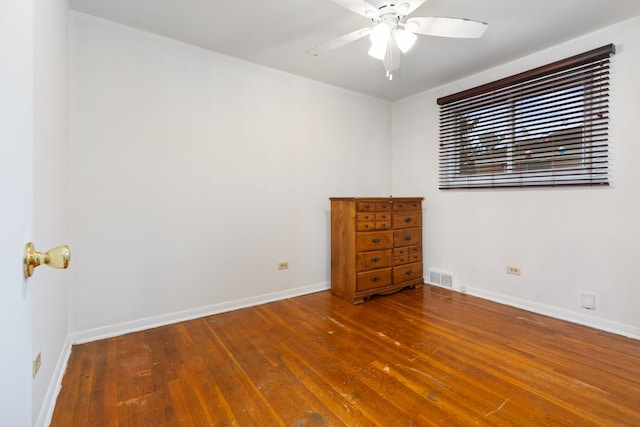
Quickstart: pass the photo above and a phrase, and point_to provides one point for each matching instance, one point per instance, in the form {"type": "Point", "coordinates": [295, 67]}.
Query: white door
{"type": "Point", "coordinates": [16, 208]}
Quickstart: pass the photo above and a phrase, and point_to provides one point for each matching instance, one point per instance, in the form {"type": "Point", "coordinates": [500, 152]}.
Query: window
{"type": "Point", "coordinates": [544, 127]}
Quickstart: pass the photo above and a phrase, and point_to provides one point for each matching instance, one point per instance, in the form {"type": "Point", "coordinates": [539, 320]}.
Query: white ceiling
{"type": "Point", "coordinates": [277, 33]}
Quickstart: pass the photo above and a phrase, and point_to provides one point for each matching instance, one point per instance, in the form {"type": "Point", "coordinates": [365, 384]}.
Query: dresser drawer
{"type": "Point", "coordinates": [408, 250]}
{"type": "Point", "coordinates": [407, 206]}
{"type": "Point", "coordinates": [373, 206]}
{"type": "Point", "coordinates": [373, 216]}
{"type": "Point", "coordinates": [407, 272]}
{"type": "Point", "coordinates": [415, 257]}
{"type": "Point", "coordinates": [407, 236]}
{"type": "Point", "coordinates": [400, 259]}
{"type": "Point", "coordinates": [373, 279]}
{"type": "Point", "coordinates": [406, 219]}
{"type": "Point", "coordinates": [370, 221]}
{"type": "Point", "coordinates": [374, 240]}
{"type": "Point", "coordinates": [373, 260]}
{"type": "Point", "coordinates": [407, 254]}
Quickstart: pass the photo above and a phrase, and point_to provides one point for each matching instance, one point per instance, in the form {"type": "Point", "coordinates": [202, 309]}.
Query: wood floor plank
{"type": "Point", "coordinates": [526, 372]}
{"type": "Point", "coordinates": [440, 386]}
{"type": "Point", "coordinates": [348, 380]}
{"type": "Point", "coordinates": [110, 387]}
{"type": "Point", "coordinates": [375, 353]}
{"type": "Point", "coordinates": [67, 408]}
{"type": "Point", "coordinates": [197, 365]}
{"type": "Point", "coordinates": [186, 414]}
{"type": "Point", "coordinates": [85, 389]}
{"type": "Point", "coordinates": [98, 388]}
{"type": "Point", "coordinates": [262, 360]}
{"type": "Point", "coordinates": [423, 357]}
{"type": "Point", "coordinates": [234, 381]}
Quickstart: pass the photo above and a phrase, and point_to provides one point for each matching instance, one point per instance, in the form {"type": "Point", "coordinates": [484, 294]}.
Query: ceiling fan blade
{"type": "Point", "coordinates": [446, 27]}
{"type": "Point", "coordinates": [359, 6]}
{"type": "Point", "coordinates": [339, 41]}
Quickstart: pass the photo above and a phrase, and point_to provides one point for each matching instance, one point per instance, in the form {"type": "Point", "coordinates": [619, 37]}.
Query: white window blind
{"type": "Point", "coordinates": [543, 127]}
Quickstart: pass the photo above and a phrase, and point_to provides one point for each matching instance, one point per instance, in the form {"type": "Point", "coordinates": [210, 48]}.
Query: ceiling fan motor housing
{"type": "Point", "coordinates": [387, 10]}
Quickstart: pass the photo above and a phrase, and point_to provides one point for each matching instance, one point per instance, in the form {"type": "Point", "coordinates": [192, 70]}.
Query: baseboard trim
{"type": "Point", "coordinates": [557, 313]}
{"type": "Point", "coordinates": [181, 316]}
{"type": "Point", "coordinates": [49, 404]}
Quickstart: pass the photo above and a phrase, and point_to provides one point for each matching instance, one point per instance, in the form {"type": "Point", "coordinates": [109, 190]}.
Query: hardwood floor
{"type": "Point", "coordinates": [417, 358]}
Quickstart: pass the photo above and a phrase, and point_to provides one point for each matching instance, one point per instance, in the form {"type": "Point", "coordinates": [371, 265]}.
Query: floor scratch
{"type": "Point", "coordinates": [497, 409]}
{"type": "Point", "coordinates": [336, 322]}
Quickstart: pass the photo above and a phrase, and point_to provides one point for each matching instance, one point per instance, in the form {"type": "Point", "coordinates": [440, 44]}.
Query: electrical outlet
{"type": "Point", "coordinates": [588, 300]}
{"type": "Point", "coordinates": [37, 362]}
{"type": "Point", "coordinates": [283, 265]}
{"type": "Point", "coordinates": [513, 270]}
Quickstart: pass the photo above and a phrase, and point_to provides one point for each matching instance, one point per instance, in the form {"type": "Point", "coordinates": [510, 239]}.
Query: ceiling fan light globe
{"type": "Point", "coordinates": [378, 50]}
{"type": "Point", "coordinates": [404, 39]}
{"type": "Point", "coordinates": [380, 34]}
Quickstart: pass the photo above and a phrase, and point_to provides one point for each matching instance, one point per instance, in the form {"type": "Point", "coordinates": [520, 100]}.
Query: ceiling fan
{"type": "Point", "coordinates": [394, 33]}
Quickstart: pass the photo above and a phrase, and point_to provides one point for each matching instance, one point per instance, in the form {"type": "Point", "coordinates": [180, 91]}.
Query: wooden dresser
{"type": "Point", "coordinates": [376, 246]}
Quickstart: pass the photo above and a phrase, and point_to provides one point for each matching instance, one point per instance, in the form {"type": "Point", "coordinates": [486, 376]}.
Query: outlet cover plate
{"type": "Point", "coordinates": [588, 300]}
{"type": "Point", "coordinates": [37, 363]}
{"type": "Point", "coordinates": [512, 269]}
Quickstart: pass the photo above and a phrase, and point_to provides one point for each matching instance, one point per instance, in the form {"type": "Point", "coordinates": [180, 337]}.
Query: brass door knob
{"type": "Point", "coordinates": [58, 257]}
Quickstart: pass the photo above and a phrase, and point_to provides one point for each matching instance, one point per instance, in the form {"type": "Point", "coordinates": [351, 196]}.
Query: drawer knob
{"type": "Point", "coordinates": [408, 272]}
{"type": "Point", "coordinates": [375, 259]}
{"type": "Point", "coordinates": [407, 219]}
{"type": "Point", "coordinates": [375, 279]}
{"type": "Point", "coordinates": [376, 240]}
{"type": "Point", "coordinates": [407, 237]}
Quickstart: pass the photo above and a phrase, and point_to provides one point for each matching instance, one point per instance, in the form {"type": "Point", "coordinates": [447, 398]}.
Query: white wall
{"type": "Point", "coordinates": [49, 287]}
{"type": "Point", "coordinates": [566, 241]}
{"type": "Point", "coordinates": [193, 174]}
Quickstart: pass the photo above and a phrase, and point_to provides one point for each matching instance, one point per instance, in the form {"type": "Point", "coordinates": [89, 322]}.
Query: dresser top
{"type": "Point", "coordinates": [377, 199]}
